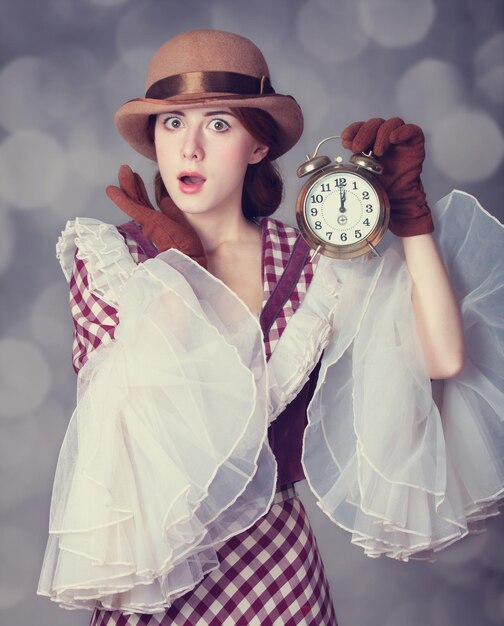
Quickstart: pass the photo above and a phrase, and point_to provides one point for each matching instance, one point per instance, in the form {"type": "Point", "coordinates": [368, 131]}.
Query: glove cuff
{"type": "Point", "coordinates": [410, 226]}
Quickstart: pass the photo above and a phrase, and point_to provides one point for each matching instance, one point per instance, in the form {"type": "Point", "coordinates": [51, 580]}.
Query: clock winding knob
{"type": "Point", "coordinates": [312, 165]}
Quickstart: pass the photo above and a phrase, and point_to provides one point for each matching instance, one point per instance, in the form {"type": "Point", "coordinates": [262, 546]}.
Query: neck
{"type": "Point", "coordinates": [215, 229]}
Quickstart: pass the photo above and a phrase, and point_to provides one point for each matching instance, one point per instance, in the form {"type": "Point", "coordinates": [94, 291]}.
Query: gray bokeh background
{"type": "Point", "coordinates": [65, 66]}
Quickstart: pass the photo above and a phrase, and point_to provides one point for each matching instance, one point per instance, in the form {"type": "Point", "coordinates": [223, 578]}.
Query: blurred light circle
{"type": "Point", "coordinates": [467, 146]}
{"type": "Point", "coordinates": [50, 320]}
{"type": "Point", "coordinates": [73, 199]}
{"type": "Point", "coordinates": [11, 595]}
{"type": "Point", "coordinates": [88, 156]}
{"type": "Point", "coordinates": [18, 553]}
{"type": "Point", "coordinates": [428, 91]}
{"type": "Point", "coordinates": [24, 377]}
{"type": "Point", "coordinates": [331, 35]}
{"type": "Point", "coordinates": [267, 27]}
{"type": "Point", "coordinates": [491, 83]}
{"type": "Point", "coordinates": [32, 169]}
{"type": "Point", "coordinates": [148, 24]}
{"type": "Point", "coordinates": [44, 430]}
{"type": "Point", "coordinates": [125, 79]}
{"type": "Point", "coordinates": [396, 23]}
{"type": "Point", "coordinates": [489, 68]}
{"type": "Point", "coordinates": [18, 440]}
{"type": "Point", "coordinates": [21, 86]}
{"type": "Point", "coordinates": [45, 93]}
{"type": "Point", "coordinates": [7, 240]}
{"type": "Point", "coordinates": [310, 93]}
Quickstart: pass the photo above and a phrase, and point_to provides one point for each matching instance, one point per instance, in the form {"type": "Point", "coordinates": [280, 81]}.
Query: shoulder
{"type": "Point", "coordinates": [279, 231]}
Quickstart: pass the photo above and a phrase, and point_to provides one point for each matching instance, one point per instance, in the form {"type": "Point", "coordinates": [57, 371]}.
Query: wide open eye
{"type": "Point", "coordinates": [172, 122]}
{"type": "Point", "coordinates": [219, 125]}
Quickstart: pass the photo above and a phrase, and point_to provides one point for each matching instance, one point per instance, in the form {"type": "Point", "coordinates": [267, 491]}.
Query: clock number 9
{"type": "Point", "coordinates": [313, 211]}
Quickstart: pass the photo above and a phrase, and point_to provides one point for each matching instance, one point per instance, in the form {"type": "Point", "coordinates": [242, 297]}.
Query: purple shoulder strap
{"type": "Point", "coordinates": [135, 231]}
{"type": "Point", "coordinates": [285, 285]}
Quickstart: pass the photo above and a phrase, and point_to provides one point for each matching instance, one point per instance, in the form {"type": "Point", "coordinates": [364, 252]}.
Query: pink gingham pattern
{"type": "Point", "coordinates": [278, 244]}
{"type": "Point", "coordinates": [269, 575]}
{"type": "Point", "coordinates": [95, 320]}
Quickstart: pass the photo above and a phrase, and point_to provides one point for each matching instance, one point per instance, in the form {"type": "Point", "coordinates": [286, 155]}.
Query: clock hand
{"type": "Point", "coordinates": [342, 200]}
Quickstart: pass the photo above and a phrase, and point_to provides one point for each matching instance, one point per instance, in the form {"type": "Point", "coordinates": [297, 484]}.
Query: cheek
{"type": "Point", "coordinates": [236, 159]}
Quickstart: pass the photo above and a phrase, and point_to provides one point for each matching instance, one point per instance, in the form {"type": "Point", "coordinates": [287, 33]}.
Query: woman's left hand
{"type": "Point", "coordinates": [400, 148]}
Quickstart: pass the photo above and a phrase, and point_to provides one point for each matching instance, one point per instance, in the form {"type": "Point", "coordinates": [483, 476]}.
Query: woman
{"type": "Point", "coordinates": [173, 499]}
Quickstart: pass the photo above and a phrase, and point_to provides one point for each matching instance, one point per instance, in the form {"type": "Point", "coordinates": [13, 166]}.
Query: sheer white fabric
{"type": "Point", "coordinates": [166, 454]}
{"type": "Point", "coordinates": [405, 476]}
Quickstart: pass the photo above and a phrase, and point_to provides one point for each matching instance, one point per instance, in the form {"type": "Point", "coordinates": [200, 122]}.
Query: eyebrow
{"type": "Point", "coordinates": [209, 114]}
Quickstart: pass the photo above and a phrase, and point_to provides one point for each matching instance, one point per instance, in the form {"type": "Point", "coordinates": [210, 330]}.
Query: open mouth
{"type": "Point", "coordinates": [192, 179]}
{"type": "Point", "coordinates": [191, 182]}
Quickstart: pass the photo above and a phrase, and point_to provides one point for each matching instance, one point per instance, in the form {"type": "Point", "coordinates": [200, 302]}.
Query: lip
{"type": "Point", "coordinates": [191, 182]}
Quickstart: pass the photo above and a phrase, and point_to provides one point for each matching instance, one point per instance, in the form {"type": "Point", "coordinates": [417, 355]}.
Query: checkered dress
{"type": "Point", "coordinates": [269, 575]}
{"type": "Point", "coordinates": [272, 573]}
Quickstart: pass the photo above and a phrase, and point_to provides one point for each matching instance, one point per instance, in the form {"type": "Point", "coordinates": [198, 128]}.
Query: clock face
{"type": "Point", "coordinates": [342, 208]}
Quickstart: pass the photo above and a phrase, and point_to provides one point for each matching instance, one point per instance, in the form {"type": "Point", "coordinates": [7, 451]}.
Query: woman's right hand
{"type": "Point", "coordinates": [167, 228]}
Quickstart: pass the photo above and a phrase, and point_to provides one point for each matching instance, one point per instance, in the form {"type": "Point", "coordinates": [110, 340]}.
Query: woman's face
{"type": "Point", "coordinates": [203, 155]}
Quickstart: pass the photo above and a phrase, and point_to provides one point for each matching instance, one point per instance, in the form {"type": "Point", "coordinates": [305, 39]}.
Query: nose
{"type": "Point", "coordinates": [192, 148]}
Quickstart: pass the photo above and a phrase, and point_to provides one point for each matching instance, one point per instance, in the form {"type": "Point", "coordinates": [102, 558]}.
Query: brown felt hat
{"type": "Point", "coordinates": [207, 68]}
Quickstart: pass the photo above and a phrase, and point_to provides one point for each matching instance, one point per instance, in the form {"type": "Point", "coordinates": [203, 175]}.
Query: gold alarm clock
{"type": "Point", "coordinates": [342, 210]}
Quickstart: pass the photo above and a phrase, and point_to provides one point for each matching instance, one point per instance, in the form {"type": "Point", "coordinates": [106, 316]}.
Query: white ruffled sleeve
{"type": "Point", "coordinates": [105, 252]}
{"type": "Point", "coordinates": [166, 454]}
{"type": "Point", "coordinates": [404, 475]}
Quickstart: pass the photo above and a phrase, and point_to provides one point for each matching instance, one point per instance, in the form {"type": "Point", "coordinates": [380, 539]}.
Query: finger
{"type": "Point", "coordinates": [366, 135]}
{"type": "Point", "coordinates": [409, 133]}
{"type": "Point", "coordinates": [382, 142]}
{"type": "Point", "coordinates": [127, 181]}
{"type": "Point", "coordinates": [120, 199]}
{"type": "Point", "coordinates": [141, 192]}
{"type": "Point", "coordinates": [347, 135]}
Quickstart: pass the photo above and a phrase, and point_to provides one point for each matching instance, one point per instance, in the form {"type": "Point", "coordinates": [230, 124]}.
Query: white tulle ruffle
{"type": "Point", "coordinates": [166, 454]}
{"type": "Point", "coordinates": [106, 254]}
{"type": "Point", "coordinates": [405, 476]}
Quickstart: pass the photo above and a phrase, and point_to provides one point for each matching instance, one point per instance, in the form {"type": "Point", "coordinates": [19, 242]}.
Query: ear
{"type": "Point", "coordinates": [258, 154]}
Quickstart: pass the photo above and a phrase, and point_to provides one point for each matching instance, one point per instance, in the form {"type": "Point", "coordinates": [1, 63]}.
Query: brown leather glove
{"type": "Point", "coordinates": [167, 228]}
{"type": "Point", "coordinates": [399, 147]}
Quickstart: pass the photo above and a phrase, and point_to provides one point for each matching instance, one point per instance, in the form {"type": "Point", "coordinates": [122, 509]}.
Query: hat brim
{"type": "Point", "coordinates": [132, 118]}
